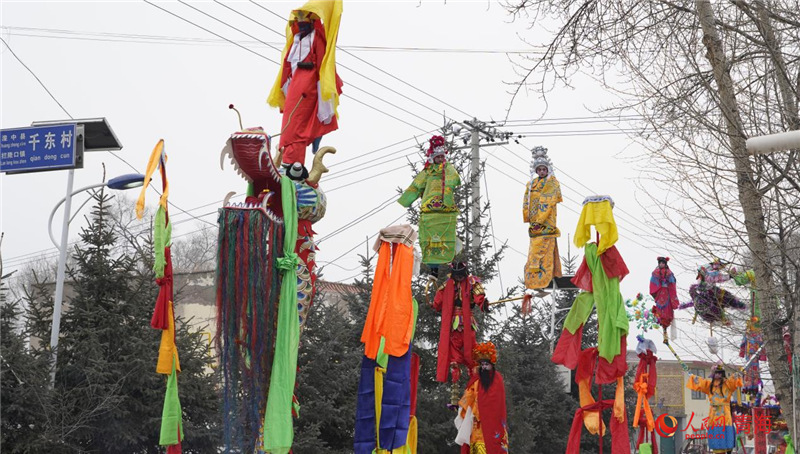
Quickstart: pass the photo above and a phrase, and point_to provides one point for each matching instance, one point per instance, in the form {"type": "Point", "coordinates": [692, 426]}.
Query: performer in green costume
{"type": "Point", "coordinates": [435, 186]}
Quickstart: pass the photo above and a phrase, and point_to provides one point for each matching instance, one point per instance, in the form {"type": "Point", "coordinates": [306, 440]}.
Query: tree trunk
{"type": "Point", "coordinates": [750, 199]}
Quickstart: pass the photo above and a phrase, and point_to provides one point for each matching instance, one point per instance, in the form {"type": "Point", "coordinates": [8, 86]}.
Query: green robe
{"type": "Point", "coordinates": [438, 211]}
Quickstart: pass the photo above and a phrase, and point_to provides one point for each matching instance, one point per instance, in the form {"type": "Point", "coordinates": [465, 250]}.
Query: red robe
{"type": "Point", "coordinates": [492, 411]}
{"type": "Point", "coordinates": [456, 346]}
{"type": "Point", "coordinates": [300, 125]}
{"type": "Point", "coordinates": [663, 290]}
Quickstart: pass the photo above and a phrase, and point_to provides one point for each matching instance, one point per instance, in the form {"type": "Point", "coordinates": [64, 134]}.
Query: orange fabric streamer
{"type": "Point", "coordinates": [390, 320]}
{"type": "Point", "coordinates": [640, 387]}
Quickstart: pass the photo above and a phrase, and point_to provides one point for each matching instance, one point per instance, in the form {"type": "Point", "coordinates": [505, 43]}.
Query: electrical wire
{"type": "Point", "coordinates": [35, 77]}
{"type": "Point", "coordinates": [35, 32]}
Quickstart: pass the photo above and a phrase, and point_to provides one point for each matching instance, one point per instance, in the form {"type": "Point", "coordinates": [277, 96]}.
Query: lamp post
{"type": "Point", "coordinates": [119, 183]}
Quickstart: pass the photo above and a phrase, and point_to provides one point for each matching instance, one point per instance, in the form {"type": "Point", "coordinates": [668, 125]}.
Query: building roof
{"type": "Point", "coordinates": [336, 287]}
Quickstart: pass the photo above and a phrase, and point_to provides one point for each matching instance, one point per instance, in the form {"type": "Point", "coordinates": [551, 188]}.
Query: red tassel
{"type": "Point", "coordinates": [174, 449]}
{"type": "Point", "coordinates": [527, 305]}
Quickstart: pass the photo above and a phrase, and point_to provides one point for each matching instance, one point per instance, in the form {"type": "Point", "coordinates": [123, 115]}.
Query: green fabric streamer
{"type": "Point", "coordinates": [278, 428]}
{"type": "Point", "coordinates": [612, 319]}
{"type": "Point", "coordinates": [645, 448]}
{"type": "Point", "coordinates": [171, 415]}
{"type": "Point", "coordinates": [789, 444]}
{"type": "Point", "coordinates": [162, 236]}
{"type": "Point", "coordinates": [382, 358]}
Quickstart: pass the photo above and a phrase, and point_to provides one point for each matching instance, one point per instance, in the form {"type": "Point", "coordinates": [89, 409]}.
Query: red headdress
{"type": "Point", "coordinates": [485, 351]}
{"type": "Point", "coordinates": [436, 147]}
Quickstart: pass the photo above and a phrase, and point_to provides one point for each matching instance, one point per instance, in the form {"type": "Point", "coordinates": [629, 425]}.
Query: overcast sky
{"type": "Point", "coordinates": [174, 81]}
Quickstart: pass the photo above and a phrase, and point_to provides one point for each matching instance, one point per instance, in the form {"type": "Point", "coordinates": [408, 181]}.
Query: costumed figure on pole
{"type": "Point", "coordinates": [481, 419]}
{"type": "Point", "coordinates": [265, 286]}
{"type": "Point", "coordinates": [710, 301]}
{"type": "Point", "coordinates": [307, 88]}
{"type": "Point", "coordinates": [663, 289]}
{"type": "Point", "coordinates": [539, 210]}
{"type": "Point", "coordinates": [719, 389]}
{"type": "Point", "coordinates": [387, 390]}
{"type": "Point", "coordinates": [645, 388]}
{"type": "Point", "coordinates": [164, 314]}
{"type": "Point", "coordinates": [598, 277]}
{"type": "Point", "coordinates": [751, 347]}
{"type": "Point", "coordinates": [435, 187]}
{"type": "Point", "coordinates": [456, 300]}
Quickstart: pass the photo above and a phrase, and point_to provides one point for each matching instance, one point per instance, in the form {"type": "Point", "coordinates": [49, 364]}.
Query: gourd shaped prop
{"type": "Point", "coordinates": [307, 87]}
{"type": "Point", "coordinates": [598, 277]}
{"type": "Point", "coordinates": [539, 210]}
{"type": "Point", "coordinates": [435, 187]}
{"type": "Point", "coordinates": [265, 285]}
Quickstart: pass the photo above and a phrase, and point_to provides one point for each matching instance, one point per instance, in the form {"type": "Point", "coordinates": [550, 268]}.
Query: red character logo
{"type": "Point", "coordinates": [664, 428]}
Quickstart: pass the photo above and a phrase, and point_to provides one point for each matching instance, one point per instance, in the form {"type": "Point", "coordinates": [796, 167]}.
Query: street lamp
{"type": "Point", "coordinates": [122, 182]}
{"type": "Point", "coordinates": [773, 142]}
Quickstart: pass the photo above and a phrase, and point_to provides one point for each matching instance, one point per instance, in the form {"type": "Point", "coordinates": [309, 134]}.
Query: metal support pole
{"type": "Point", "coordinates": [554, 308]}
{"type": "Point", "coordinates": [60, 276]}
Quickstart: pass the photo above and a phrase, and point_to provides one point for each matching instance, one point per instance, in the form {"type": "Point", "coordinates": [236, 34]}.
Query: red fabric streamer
{"type": "Point", "coordinates": [160, 318]}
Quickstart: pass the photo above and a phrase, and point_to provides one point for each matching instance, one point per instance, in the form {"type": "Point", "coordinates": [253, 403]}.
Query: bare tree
{"type": "Point", "coordinates": [704, 77]}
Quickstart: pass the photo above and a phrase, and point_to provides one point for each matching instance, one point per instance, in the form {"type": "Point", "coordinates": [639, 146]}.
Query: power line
{"type": "Point", "coordinates": [209, 31]}
{"type": "Point", "coordinates": [35, 32]}
{"type": "Point", "coordinates": [35, 77]}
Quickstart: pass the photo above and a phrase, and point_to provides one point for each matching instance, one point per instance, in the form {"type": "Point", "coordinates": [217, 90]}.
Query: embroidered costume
{"type": "Point", "coordinates": [435, 186]}
{"type": "Point", "coordinates": [539, 210]}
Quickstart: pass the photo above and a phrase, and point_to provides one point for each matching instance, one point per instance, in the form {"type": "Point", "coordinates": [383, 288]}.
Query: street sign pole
{"type": "Point", "coordinates": [60, 277]}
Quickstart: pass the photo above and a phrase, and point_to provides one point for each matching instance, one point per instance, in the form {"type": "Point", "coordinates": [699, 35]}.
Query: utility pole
{"type": "Point", "coordinates": [472, 132]}
{"type": "Point", "coordinates": [475, 190]}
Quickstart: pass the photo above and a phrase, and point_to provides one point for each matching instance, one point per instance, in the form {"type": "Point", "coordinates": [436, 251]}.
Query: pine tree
{"type": "Point", "coordinates": [329, 366]}
{"type": "Point", "coordinates": [23, 382]}
{"type": "Point", "coordinates": [107, 396]}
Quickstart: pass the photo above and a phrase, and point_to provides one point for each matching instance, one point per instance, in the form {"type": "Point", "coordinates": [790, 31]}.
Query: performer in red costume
{"type": "Point", "coordinates": [455, 299]}
{"type": "Point", "coordinates": [306, 71]}
{"type": "Point", "coordinates": [481, 419]}
{"type": "Point", "coordinates": [663, 290]}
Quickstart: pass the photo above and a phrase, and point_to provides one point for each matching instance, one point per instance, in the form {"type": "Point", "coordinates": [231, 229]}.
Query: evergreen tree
{"type": "Point", "coordinates": [328, 372]}
{"type": "Point", "coordinates": [107, 396]}
{"type": "Point", "coordinates": [23, 382]}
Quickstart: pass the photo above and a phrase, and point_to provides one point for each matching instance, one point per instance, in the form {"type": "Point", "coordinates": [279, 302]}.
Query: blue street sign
{"type": "Point", "coordinates": [37, 148]}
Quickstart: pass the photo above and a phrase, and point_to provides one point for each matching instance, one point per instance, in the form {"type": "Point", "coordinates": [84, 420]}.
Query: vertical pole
{"type": "Point", "coordinates": [475, 181]}
{"type": "Point", "coordinates": [554, 308]}
{"type": "Point", "coordinates": [60, 276]}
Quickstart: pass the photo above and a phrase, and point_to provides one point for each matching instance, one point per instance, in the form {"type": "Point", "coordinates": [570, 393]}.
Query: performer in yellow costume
{"type": "Point", "coordinates": [539, 209]}
{"type": "Point", "coordinates": [721, 430]}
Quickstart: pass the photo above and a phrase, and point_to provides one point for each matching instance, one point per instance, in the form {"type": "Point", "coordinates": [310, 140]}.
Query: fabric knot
{"type": "Point", "coordinates": [289, 262]}
{"type": "Point", "coordinates": [640, 387]}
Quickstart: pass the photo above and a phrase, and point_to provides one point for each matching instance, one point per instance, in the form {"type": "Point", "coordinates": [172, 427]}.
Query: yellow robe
{"type": "Point", "coordinates": [720, 411]}
{"type": "Point", "coordinates": [539, 209]}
